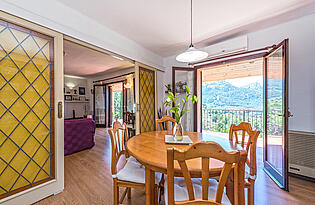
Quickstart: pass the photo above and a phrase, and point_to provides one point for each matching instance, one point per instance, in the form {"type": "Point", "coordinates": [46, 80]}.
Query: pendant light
{"type": "Point", "coordinates": [191, 54]}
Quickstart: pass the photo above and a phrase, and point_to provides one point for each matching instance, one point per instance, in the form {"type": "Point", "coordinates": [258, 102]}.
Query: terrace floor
{"type": "Point", "coordinates": [88, 181]}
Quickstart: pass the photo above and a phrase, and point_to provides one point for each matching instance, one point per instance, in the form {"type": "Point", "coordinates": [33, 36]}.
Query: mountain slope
{"type": "Point", "coordinates": [224, 95]}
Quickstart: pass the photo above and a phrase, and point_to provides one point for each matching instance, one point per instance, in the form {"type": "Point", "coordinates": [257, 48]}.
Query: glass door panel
{"type": "Point", "coordinates": [117, 101]}
{"type": "Point", "coordinates": [275, 149]}
{"type": "Point", "coordinates": [99, 104]}
{"type": "Point", "coordinates": [27, 155]}
{"type": "Point", "coordinates": [129, 104]}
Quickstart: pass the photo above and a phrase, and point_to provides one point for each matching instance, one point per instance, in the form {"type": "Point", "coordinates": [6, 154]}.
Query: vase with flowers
{"type": "Point", "coordinates": [179, 109]}
{"type": "Point", "coordinates": [180, 87]}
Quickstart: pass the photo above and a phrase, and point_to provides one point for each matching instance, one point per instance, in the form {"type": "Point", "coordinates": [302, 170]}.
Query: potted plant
{"type": "Point", "coordinates": [179, 109]}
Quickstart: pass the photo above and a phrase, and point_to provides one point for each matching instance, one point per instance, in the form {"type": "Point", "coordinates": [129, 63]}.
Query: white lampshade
{"type": "Point", "coordinates": [191, 55]}
{"type": "Point", "coordinates": [70, 85]}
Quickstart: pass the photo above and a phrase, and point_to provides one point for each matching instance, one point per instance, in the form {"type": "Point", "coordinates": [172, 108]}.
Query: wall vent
{"type": "Point", "coordinates": [302, 153]}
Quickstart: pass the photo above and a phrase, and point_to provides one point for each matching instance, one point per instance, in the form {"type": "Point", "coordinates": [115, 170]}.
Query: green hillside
{"type": "Point", "coordinates": [224, 95]}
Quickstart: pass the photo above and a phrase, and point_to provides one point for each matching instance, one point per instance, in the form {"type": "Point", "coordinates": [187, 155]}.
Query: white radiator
{"type": "Point", "coordinates": [302, 153]}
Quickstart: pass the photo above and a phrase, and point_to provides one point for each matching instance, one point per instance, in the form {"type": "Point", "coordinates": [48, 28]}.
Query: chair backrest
{"type": "Point", "coordinates": [250, 143]}
{"type": "Point", "coordinates": [205, 151]}
{"type": "Point", "coordinates": [118, 136]}
{"type": "Point", "coordinates": [166, 119]}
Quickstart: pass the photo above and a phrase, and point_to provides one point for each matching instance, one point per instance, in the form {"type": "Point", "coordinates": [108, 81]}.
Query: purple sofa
{"type": "Point", "coordinates": [79, 135]}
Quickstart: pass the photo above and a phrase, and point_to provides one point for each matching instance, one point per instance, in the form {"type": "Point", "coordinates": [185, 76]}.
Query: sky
{"type": "Point", "coordinates": [239, 82]}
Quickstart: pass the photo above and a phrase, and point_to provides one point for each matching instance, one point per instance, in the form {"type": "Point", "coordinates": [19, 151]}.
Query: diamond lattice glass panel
{"type": "Point", "coordinates": [147, 100]}
{"type": "Point", "coordinates": [11, 68]}
{"type": "Point", "coordinates": [26, 64]}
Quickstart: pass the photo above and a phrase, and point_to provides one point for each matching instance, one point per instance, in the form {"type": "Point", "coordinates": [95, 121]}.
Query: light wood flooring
{"type": "Point", "coordinates": [88, 181]}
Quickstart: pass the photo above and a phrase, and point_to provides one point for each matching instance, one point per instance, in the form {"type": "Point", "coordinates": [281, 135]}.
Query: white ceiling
{"type": "Point", "coordinates": [82, 61]}
{"type": "Point", "coordinates": [163, 25]}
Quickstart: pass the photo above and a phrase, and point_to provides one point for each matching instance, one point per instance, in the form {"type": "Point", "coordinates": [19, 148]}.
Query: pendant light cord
{"type": "Point", "coordinates": [191, 45]}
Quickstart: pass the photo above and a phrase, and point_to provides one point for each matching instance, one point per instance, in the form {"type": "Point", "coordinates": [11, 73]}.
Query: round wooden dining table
{"type": "Point", "coordinates": [150, 149]}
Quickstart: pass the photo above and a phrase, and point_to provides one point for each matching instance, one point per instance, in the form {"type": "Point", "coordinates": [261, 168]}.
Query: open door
{"type": "Point", "coordinates": [276, 114]}
{"type": "Point", "coordinates": [182, 76]}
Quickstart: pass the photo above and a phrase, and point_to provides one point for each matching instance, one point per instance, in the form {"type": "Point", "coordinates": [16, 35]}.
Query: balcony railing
{"type": "Point", "coordinates": [220, 120]}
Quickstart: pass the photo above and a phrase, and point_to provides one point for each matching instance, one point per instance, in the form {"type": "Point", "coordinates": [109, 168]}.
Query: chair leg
{"type": "Point", "coordinates": [156, 194]}
{"type": "Point", "coordinates": [161, 187]}
{"type": "Point", "coordinates": [251, 194]}
{"type": "Point", "coordinates": [129, 193]}
{"type": "Point", "coordinates": [123, 195]}
{"type": "Point", "coordinates": [116, 193]}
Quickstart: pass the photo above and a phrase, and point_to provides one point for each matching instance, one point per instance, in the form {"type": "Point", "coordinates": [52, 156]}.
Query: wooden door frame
{"type": "Point", "coordinates": [36, 193]}
{"type": "Point", "coordinates": [285, 76]}
{"type": "Point", "coordinates": [174, 69]}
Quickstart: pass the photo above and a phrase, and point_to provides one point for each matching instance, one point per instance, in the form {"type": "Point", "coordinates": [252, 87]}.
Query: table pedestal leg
{"type": "Point", "coordinates": [149, 186]}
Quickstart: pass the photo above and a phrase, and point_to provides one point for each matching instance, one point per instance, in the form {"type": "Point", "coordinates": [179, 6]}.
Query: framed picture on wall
{"type": "Point", "coordinates": [68, 97]}
{"type": "Point", "coordinates": [81, 91]}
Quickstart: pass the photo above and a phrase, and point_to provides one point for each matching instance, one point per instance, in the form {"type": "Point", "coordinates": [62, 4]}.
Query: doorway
{"type": "Point", "coordinates": [251, 88]}
{"type": "Point", "coordinates": [116, 98]}
{"type": "Point", "coordinates": [108, 103]}
{"type": "Point", "coordinates": [230, 94]}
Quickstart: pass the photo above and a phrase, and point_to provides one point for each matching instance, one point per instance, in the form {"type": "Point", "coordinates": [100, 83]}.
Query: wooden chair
{"type": "Point", "coordinates": [251, 163]}
{"type": "Point", "coordinates": [196, 190]}
{"type": "Point", "coordinates": [166, 119]}
{"type": "Point", "coordinates": [126, 171]}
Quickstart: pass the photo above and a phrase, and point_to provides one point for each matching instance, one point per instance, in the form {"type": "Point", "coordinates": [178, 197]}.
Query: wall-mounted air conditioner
{"type": "Point", "coordinates": [230, 46]}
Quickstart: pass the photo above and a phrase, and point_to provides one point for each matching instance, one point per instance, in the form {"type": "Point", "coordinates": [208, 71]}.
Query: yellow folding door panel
{"type": "Point", "coordinates": [26, 109]}
{"type": "Point", "coordinates": [147, 100]}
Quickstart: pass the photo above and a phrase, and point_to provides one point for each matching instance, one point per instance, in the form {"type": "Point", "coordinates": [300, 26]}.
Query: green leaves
{"type": "Point", "coordinates": [175, 109]}
{"type": "Point", "coordinates": [194, 99]}
{"type": "Point", "coordinates": [179, 109]}
{"type": "Point", "coordinates": [187, 89]}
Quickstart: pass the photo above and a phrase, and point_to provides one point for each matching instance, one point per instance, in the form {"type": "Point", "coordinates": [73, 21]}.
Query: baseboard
{"type": "Point", "coordinates": [302, 177]}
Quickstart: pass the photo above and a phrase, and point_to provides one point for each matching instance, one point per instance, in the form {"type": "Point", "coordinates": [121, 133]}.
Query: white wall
{"type": "Point", "coordinates": [66, 20]}
{"type": "Point", "coordinates": [83, 108]}
{"type": "Point", "coordinates": [301, 34]}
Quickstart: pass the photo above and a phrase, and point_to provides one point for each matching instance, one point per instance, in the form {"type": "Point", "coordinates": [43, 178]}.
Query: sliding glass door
{"type": "Point", "coordinates": [99, 105]}
{"type": "Point", "coordinates": [108, 103]}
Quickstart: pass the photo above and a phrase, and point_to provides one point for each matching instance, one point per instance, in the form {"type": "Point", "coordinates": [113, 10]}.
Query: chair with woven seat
{"type": "Point", "coordinates": [126, 171]}
{"type": "Point", "coordinates": [250, 144]}
{"type": "Point", "coordinates": [165, 119]}
{"type": "Point", "coordinates": [187, 190]}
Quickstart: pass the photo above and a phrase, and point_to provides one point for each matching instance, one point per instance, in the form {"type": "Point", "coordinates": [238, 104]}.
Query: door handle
{"type": "Point", "coordinates": [138, 107]}
{"type": "Point", "coordinates": [289, 114]}
{"type": "Point", "coordinates": [60, 110]}
{"type": "Point", "coordinates": [283, 115]}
